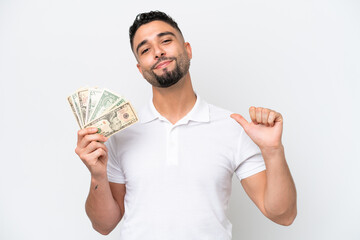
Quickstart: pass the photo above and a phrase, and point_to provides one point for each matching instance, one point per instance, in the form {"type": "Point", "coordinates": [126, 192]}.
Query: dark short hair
{"type": "Point", "coordinates": [143, 18]}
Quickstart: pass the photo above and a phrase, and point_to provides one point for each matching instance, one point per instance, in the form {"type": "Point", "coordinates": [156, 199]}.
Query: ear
{"type": "Point", "coordinates": [188, 49]}
{"type": "Point", "coordinates": [139, 68]}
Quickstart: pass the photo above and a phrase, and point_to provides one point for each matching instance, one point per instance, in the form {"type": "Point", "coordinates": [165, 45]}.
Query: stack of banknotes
{"type": "Point", "coordinates": [103, 109]}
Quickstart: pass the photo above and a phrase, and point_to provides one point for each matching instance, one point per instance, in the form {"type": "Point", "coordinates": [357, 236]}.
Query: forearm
{"type": "Point", "coordinates": [280, 191]}
{"type": "Point", "coordinates": [101, 207]}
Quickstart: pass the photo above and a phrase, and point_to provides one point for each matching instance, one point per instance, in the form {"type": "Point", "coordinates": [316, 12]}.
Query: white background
{"type": "Point", "coordinates": [300, 58]}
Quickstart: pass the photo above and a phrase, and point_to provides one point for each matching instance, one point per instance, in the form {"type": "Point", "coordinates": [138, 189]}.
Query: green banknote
{"type": "Point", "coordinates": [106, 101]}
{"type": "Point", "coordinates": [93, 99]}
{"type": "Point", "coordinates": [75, 100]}
{"type": "Point", "coordinates": [83, 95]}
{"type": "Point", "coordinates": [73, 110]}
{"type": "Point", "coordinates": [118, 103]}
{"type": "Point", "coordinates": [114, 120]}
{"type": "Point", "coordinates": [100, 108]}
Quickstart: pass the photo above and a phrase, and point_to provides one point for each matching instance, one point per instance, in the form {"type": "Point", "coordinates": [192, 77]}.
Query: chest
{"type": "Point", "coordinates": [189, 157]}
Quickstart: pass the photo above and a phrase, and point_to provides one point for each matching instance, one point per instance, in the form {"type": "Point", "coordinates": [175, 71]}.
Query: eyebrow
{"type": "Point", "coordinates": [159, 35]}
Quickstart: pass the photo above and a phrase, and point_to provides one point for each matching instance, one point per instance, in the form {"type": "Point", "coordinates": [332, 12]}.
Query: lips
{"type": "Point", "coordinates": [163, 64]}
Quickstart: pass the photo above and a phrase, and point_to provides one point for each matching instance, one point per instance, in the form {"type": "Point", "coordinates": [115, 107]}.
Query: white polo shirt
{"type": "Point", "coordinates": [178, 177]}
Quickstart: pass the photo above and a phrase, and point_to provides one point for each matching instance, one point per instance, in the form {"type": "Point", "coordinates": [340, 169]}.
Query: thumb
{"type": "Point", "coordinates": [240, 119]}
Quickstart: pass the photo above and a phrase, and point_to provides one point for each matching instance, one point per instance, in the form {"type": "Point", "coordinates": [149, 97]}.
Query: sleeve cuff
{"type": "Point", "coordinates": [250, 172]}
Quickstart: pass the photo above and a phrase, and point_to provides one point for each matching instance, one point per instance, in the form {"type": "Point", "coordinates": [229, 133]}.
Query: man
{"type": "Point", "coordinates": [169, 176]}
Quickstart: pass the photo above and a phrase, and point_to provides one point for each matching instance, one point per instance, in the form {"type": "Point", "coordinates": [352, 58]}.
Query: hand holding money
{"type": "Point", "coordinates": [100, 108]}
{"type": "Point", "coordinates": [100, 114]}
{"type": "Point", "coordinates": [92, 151]}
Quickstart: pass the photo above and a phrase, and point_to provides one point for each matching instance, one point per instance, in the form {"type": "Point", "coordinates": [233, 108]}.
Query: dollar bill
{"type": "Point", "coordinates": [115, 120]}
{"type": "Point", "coordinates": [73, 110]}
{"type": "Point", "coordinates": [93, 99]}
{"type": "Point", "coordinates": [83, 95]}
{"type": "Point", "coordinates": [76, 103]}
{"type": "Point", "coordinates": [107, 100]}
{"type": "Point", "coordinates": [118, 103]}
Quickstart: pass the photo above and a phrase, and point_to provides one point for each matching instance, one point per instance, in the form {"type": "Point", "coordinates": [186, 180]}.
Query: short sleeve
{"type": "Point", "coordinates": [114, 171]}
{"type": "Point", "coordinates": [249, 160]}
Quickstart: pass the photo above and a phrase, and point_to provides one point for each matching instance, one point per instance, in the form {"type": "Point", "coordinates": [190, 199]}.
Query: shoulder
{"type": "Point", "coordinates": [221, 117]}
{"type": "Point", "coordinates": [218, 112]}
{"type": "Point", "coordinates": [221, 114]}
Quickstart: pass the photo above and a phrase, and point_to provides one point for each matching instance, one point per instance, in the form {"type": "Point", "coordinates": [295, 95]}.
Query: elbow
{"type": "Point", "coordinates": [103, 231]}
{"type": "Point", "coordinates": [282, 216]}
{"type": "Point", "coordinates": [103, 224]}
{"type": "Point", "coordinates": [285, 219]}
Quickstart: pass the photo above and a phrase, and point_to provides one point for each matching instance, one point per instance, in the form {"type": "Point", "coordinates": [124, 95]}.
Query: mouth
{"type": "Point", "coordinates": [163, 64]}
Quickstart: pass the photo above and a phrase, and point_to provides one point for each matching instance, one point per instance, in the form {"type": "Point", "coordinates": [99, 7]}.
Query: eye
{"type": "Point", "coordinates": [144, 51]}
{"type": "Point", "coordinates": [167, 41]}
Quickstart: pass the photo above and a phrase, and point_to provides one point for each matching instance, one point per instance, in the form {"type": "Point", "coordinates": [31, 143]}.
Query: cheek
{"type": "Point", "coordinates": [173, 52]}
{"type": "Point", "coordinates": [146, 63]}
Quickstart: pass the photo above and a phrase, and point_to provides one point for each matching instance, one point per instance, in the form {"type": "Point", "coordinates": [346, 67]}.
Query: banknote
{"type": "Point", "coordinates": [118, 103]}
{"type": "Point", "coordinates": [76, 103]}
{"type": "Point", "coordinates": [103, 109]}
{"type": "Point", "coordinates": [93, 99]}
{"type": "Point", "coordinates": [73, 110]}
{"type": "Point", "coordinates": [106, 101]}
{"type": "Point", "coordinates": [114, 120]}
{"type": "Point", "coordinates": [83, 101]}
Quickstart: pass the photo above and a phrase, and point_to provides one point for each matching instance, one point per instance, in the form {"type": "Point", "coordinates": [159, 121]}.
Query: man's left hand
{"type": "Point", "coordinates": [265, 128]}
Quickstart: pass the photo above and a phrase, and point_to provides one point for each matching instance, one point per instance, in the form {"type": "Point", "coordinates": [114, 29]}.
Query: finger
{"type": "Point", "coordinates": [84, 153]}
{"type": "Point", "coordinates": [82, 132]}
{"type": "Point", "coordinates": [271, 119]}
{"type": "Point", "coordinates": [98, 153]}
{"type": "Point", "coordinates": [240, 119]}
{"type": "Point", "coordinates": [264, 116]}
{"type": "Point", "coordinates": [91, 158]}
{"type": "Point", "coordinates": [93, 146]}
{"type": "Point", "coordinates": [252, 112]}
{"type": "Point", "coordinates": [258, 114]}
{"type": "Point", "coordinates": [278, 117]}
{"type": "Point", "coordinates": [91, 137]}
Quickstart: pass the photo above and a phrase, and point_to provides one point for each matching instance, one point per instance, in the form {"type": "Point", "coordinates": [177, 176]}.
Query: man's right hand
{"type": "Point", "coordinates": [92, 151]}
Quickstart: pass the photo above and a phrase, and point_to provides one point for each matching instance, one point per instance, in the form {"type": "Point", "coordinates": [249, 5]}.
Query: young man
{"type": "Point", "coordinates": [169, 176]}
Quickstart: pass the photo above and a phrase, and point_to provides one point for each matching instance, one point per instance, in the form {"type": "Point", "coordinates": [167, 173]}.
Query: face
{"type": "Point", "coordinates": [163, 56]}
{"type": "Point", "coordinates": [115, 122]}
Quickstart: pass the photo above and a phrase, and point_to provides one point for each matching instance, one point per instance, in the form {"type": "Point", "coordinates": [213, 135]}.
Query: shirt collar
{"type": "Point", "coordinates": [199, 113]}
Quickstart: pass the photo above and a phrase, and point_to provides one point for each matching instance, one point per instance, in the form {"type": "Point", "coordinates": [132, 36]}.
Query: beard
{"type": "Point", "coordinates": [168, 78]}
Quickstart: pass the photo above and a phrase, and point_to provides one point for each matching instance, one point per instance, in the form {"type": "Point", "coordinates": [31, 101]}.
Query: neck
{"type": "Point", "coordinates": [176, 101]}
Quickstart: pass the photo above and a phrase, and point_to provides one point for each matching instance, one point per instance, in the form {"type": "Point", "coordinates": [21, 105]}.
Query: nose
{"type": "Point", "coordinates": [159, 52]}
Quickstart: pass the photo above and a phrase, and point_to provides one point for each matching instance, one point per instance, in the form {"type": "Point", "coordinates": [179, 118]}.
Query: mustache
{"type": "Point", "coordinates": [162, 59]}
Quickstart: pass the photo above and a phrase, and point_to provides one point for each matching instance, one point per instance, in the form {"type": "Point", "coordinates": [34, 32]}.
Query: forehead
{"type": "Point", "coordinates": [150, 30]}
